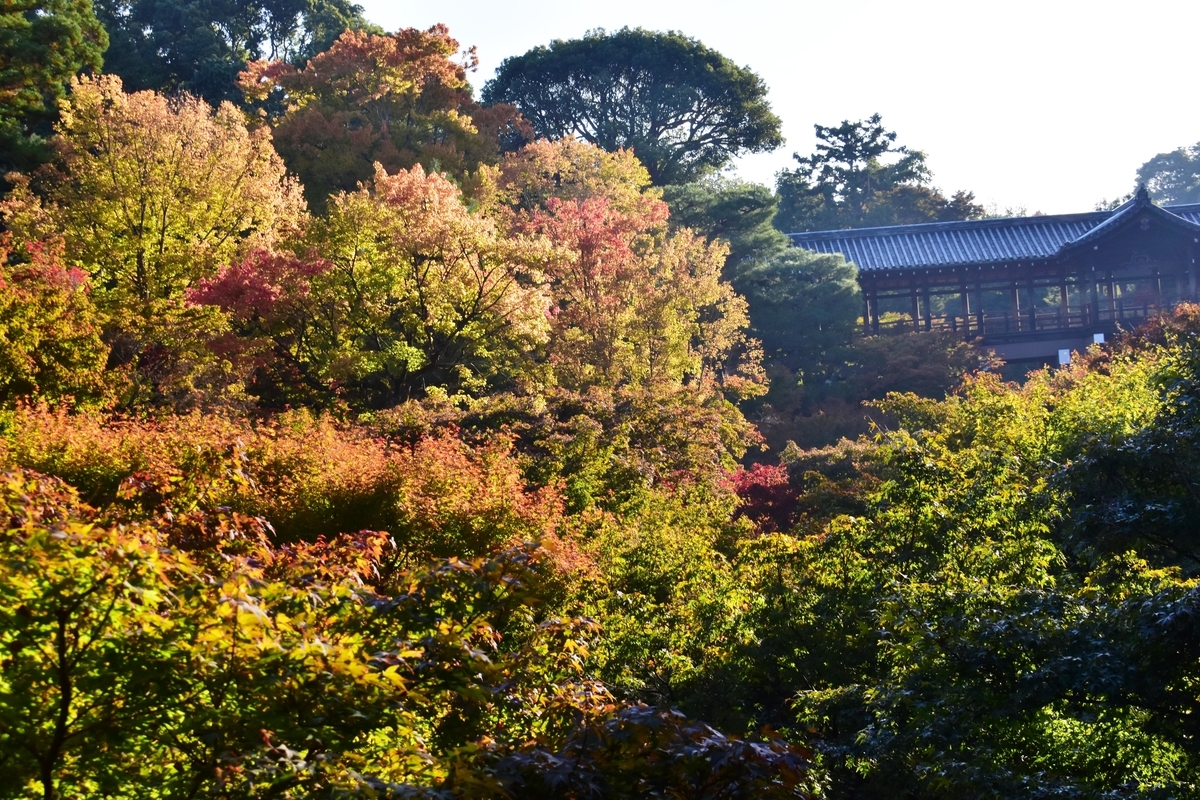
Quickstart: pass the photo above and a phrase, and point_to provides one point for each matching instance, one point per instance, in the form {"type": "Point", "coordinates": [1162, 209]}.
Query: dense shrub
{"type": "Point", "coordinates": [604, 446]}
{"type": "Point", "coordinates": [307, 475]}
{"type": "Point", "coordinates": [139, 662]}
{"type": "Point", "coordinates": [50, 343]}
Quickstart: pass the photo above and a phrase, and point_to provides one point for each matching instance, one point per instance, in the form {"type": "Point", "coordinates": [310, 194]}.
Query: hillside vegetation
{"type": "Point", "coordinates": [357, 442]}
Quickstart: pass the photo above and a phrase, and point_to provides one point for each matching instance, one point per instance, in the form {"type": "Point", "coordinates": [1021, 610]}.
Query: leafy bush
{"type": "Point", "coordinates": [307, 475]}
{"type": "Point", "coordinates": [140, 660]}
{"type": "Point", "coordinates": [50, 343]}
{"type": "Point", "coordinates": [603, 447]}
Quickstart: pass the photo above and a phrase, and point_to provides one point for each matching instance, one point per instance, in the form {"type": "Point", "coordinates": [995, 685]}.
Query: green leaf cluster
{"type": "Point", "coordinates": [858, 177]}
{"type": "Point", "coordinates": [685, 110]}
{"type": "Point", "coordinates": [43, 45]}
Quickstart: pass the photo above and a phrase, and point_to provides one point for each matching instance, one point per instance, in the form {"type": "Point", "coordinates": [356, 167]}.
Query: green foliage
{"type": "Point", "coordinates": [605, 448]}
{"type": "Point", "coordinates": [1173, 177]}
{"type": "Point", "coordinates": [666, 596]}
{"type": "Point", "coordinates": [194, 656]}
{"type": "Point", "coordinates": [735, 212]}
{"type": "Point", "coordinates": [993, 595]}
{"type": "Point", "coordinates": [403, 291]}
{"type": "Point", "coordinates": [854, 181]}
{"type": "Point", "coordinates": [804, 307]}
{"type": "Point", "coordinates": [398, 100]}
{"type": "Point", "coordinates": [236, 674]}
{"type": "Point", "coordinates": [149, 196]}
{"type": "Point", "coordinates": [50, 344]}
{"type": "Point", "coordinates": [967, 626]}
{"type": "Point", "coordinates": [817, 407]}
{"type": "Point", "coordinates": [1132, 479]}
{"type": "Point", "coordinates": [43, 45]}
{"type": "Point", "coordinates": [152, 194]}
{"type": "Point", "coordinates": [176, 46]}
{"type": "Point", "coordinates": [684, 110]}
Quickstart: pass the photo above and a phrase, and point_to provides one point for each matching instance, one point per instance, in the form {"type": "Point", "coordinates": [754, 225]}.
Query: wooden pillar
{"type": "Point", "coordinates": [1092, 316]}
{"type": "Point", "coordinates": [1032, 305]}
{"type": "Point", "coordinates": [1191, 271]}
{"type": "Point", "coordinates": [1112, 295]}
{"type": "Point", "coordinates": [1016, 303]}
{"type": "Point", "coordinates": [1064, 301]}
{"type": "Point", "coordinates": [979, 305]}
{"type": "Point", "coordinates": [866, 318]}
{"type": "Point", "coordinates": [928, 306]}
{"type": "Point", "coordinates": [874, 311]}
{"type": "Point", "coordinates": [916, 310]}
{"type": "Point", "coordinates": [966, 310]}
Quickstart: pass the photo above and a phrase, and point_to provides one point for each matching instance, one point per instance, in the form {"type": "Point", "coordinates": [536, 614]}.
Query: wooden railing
{"type": "Point", "coordinates": [1008, 323]}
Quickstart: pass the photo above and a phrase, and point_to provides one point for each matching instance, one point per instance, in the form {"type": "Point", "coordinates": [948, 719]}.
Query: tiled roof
{"type": "Point", "coordinates": [987, 241]}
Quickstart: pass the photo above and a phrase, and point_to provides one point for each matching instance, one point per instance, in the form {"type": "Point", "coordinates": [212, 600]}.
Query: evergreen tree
{"type": "Point", "coordinates": [1173, 177]}
{"type": "Point", "coordinates": [42, 46]}
{"type": "Point", "coordinates": [200, 46]}
{"type": "Point", "coordinates": [858, 177]}
{"type": "Point", "coordinates": [684, 109]}
{"type": "Point", "coordinates": [739, 213]}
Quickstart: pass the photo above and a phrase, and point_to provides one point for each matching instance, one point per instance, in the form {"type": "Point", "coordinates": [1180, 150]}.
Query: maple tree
{"type": "Point", "coordinates": [522, 360]}
{"type": "Point", "coordinates": [149, 196]}
{"type": "Point", "coordinates": [569, 169]}
{"type": "Point", "coordinates": [225, 664]}
{"type": "Point", "coordinates": [50, 343]}
{"type": "Point", "coordinates": [409, 292]}
{"type": "Point", "coordinates": [633, 303]}
{"type": "Point", "coordinates": [397, 100]}
{"type": "Point", "coordinates": [152, 194]}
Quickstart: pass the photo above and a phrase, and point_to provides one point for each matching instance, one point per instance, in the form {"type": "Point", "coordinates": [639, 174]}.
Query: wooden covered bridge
{"type": "Point", "coordinates": [1029, 286]}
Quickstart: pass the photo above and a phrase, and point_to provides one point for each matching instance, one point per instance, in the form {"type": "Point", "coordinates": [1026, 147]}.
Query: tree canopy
{"type": "Point", "coordinates": [683, 108]}
{"type": "Point", "coordinates": [450, 487]}
{"type": "Point", "coordinates": [1173, 177]}
{"type": "Point", "coordinates": [147, 197]}
{"type": "Point", "coordinates": [397, 100]}
{"type": "Point", "coordinates": [402, 290]}
{"type": "Point", "coordinates": [151, 195]}
{"type": "Point", "coordinates": [200, 47]}
{"type": "Point", "coordinates": [859, 177]}
{"type": "Point", "coordinates": [635, 303]}
{"type": "Point", "coordinates": [739, 213]}
{"type": "Point", "coordinates": [43, 45]}
{"type": "Point", "coordinates": [804, 307]}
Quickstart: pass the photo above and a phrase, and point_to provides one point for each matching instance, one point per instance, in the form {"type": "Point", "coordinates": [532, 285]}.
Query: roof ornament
{"type": "Point", "coordinates": [1143, 196]}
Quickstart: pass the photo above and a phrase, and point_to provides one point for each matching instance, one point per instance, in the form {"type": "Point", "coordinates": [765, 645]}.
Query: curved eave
{"type": "Point", "coordinates": [1125, 215]}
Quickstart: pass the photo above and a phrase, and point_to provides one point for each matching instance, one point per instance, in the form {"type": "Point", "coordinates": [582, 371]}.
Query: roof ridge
{"type": "Point", "coordinates": [1141, 204]}
{"type": "Point", "coordinates": [916, 227]}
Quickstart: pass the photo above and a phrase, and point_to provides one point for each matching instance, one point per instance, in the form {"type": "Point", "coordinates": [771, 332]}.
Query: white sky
{"type": "Point", "coordinates": [1049, 105]}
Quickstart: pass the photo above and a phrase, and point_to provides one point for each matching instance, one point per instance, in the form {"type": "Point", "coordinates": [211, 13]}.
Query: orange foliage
{"type": "Point", "coordinates": [309, 477]}
{"type": "Point", "coordinates": [399, 100]}
{"type": "Point", "coordinates": [634, 303]}
{"type": "Point", "coordinates": [568, 169]}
